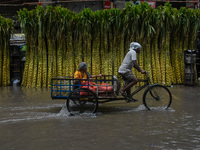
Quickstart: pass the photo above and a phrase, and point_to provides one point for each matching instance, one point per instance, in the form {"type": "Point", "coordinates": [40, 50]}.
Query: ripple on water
{"type": "Point", "coordinates": [198, 129]}
{"type": "Point", "coordinates": [22, 113]}
{"type": "Point", "coordinates": [142, 107]}
{"type": "Point", "coordinates": [16, 114]}
{"type": "Point", "coordinates": [64, 112]}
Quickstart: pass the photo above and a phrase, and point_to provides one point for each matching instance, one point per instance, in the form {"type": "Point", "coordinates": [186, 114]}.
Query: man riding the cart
{"type": "Point", "coordinates": [130, 61]}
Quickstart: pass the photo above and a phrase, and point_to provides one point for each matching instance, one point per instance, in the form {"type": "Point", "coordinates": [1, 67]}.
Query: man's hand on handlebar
{"type": "Point", "coordinates": [144, 72]}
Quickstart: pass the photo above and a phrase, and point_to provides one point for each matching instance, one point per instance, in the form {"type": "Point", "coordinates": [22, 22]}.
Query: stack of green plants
{"type": "Point", "coordinates": [59, 39]}
{"type": "Point", "coordinates": [6, 27]}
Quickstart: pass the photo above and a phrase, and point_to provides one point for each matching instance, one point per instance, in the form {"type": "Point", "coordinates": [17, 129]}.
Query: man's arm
{"type": "Point", "coordinates": [136, 66]}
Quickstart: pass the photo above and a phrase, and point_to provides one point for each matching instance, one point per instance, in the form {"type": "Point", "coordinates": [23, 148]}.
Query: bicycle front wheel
{"type": "Point", "coordinates": [157, 96]}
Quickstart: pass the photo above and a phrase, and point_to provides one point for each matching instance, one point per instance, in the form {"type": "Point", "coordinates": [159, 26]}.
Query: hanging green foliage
{"type": "Point", "coordinates": [6, 28]}
{"type": "Point", "coordinates": [59, 39]}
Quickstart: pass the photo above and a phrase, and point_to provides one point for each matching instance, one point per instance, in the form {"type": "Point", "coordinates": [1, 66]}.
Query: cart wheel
{"type": "Point", "coordinates": [82, 100]}
{"type": "Point", "coordinates": [157, 96]}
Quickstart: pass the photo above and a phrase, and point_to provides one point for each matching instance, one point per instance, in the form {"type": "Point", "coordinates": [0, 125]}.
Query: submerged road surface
{"type": "Point", "coordinates": [31, 120]}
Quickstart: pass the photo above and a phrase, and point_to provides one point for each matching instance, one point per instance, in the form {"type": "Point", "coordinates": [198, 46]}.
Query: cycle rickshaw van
{"type": "Point", "coordinates": [84, 97]}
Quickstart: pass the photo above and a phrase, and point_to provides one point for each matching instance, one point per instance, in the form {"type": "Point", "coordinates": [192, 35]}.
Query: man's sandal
{"type": "Point", "coordinates": [127, 99]}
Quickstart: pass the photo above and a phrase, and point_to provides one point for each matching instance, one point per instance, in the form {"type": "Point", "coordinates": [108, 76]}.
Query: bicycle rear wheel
{"type": "Point", "coordinates": [82, 100]}
{"type": "Point", "coordinates": [157, 96]}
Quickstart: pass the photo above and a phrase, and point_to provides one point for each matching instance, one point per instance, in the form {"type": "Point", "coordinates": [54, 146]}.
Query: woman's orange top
{"type": "Point", "coordinates": [79, 75]}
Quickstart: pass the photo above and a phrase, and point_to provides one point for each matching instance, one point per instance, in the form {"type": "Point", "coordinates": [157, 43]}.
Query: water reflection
{"type": "Point", "coordinates": [29, 119]}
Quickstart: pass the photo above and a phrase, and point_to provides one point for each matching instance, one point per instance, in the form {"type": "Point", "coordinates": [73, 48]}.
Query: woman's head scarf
{"type": "Point", "coordinates": [82, 66]}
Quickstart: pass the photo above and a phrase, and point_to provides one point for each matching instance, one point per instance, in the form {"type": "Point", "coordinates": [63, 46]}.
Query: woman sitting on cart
{"type": "Point", "coordinates": [82, 73]}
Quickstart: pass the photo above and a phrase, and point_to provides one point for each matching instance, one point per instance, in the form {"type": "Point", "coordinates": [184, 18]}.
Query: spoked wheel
{"type": "Point", "coordinates": [157, 96]}
{"type": "Point", "coordinates": [82, 100]}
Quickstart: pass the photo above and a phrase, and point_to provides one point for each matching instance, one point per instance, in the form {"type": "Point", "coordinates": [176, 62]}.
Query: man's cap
{"type": "Point", "coordinates": [134, 45]}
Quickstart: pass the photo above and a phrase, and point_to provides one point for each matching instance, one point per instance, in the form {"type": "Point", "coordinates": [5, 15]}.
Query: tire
{"type": "Point", "coordinates": [78, 103]}
{"type": "Point", "coordinates": [157, 96]}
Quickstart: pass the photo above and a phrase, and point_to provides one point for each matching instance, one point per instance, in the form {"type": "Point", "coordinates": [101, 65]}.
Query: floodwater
{"type": "Point", "coordinates": [31, 120]}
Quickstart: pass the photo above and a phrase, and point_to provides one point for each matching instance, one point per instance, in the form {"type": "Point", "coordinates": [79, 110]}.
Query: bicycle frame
{"type": "Point", "coordinates": [148, 83]}
{"type": "Point", "coordinates": [142, 87]}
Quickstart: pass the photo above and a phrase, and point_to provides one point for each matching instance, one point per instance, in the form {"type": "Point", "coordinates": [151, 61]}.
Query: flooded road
{"type": "Point", "coordinates": [31, 120]}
